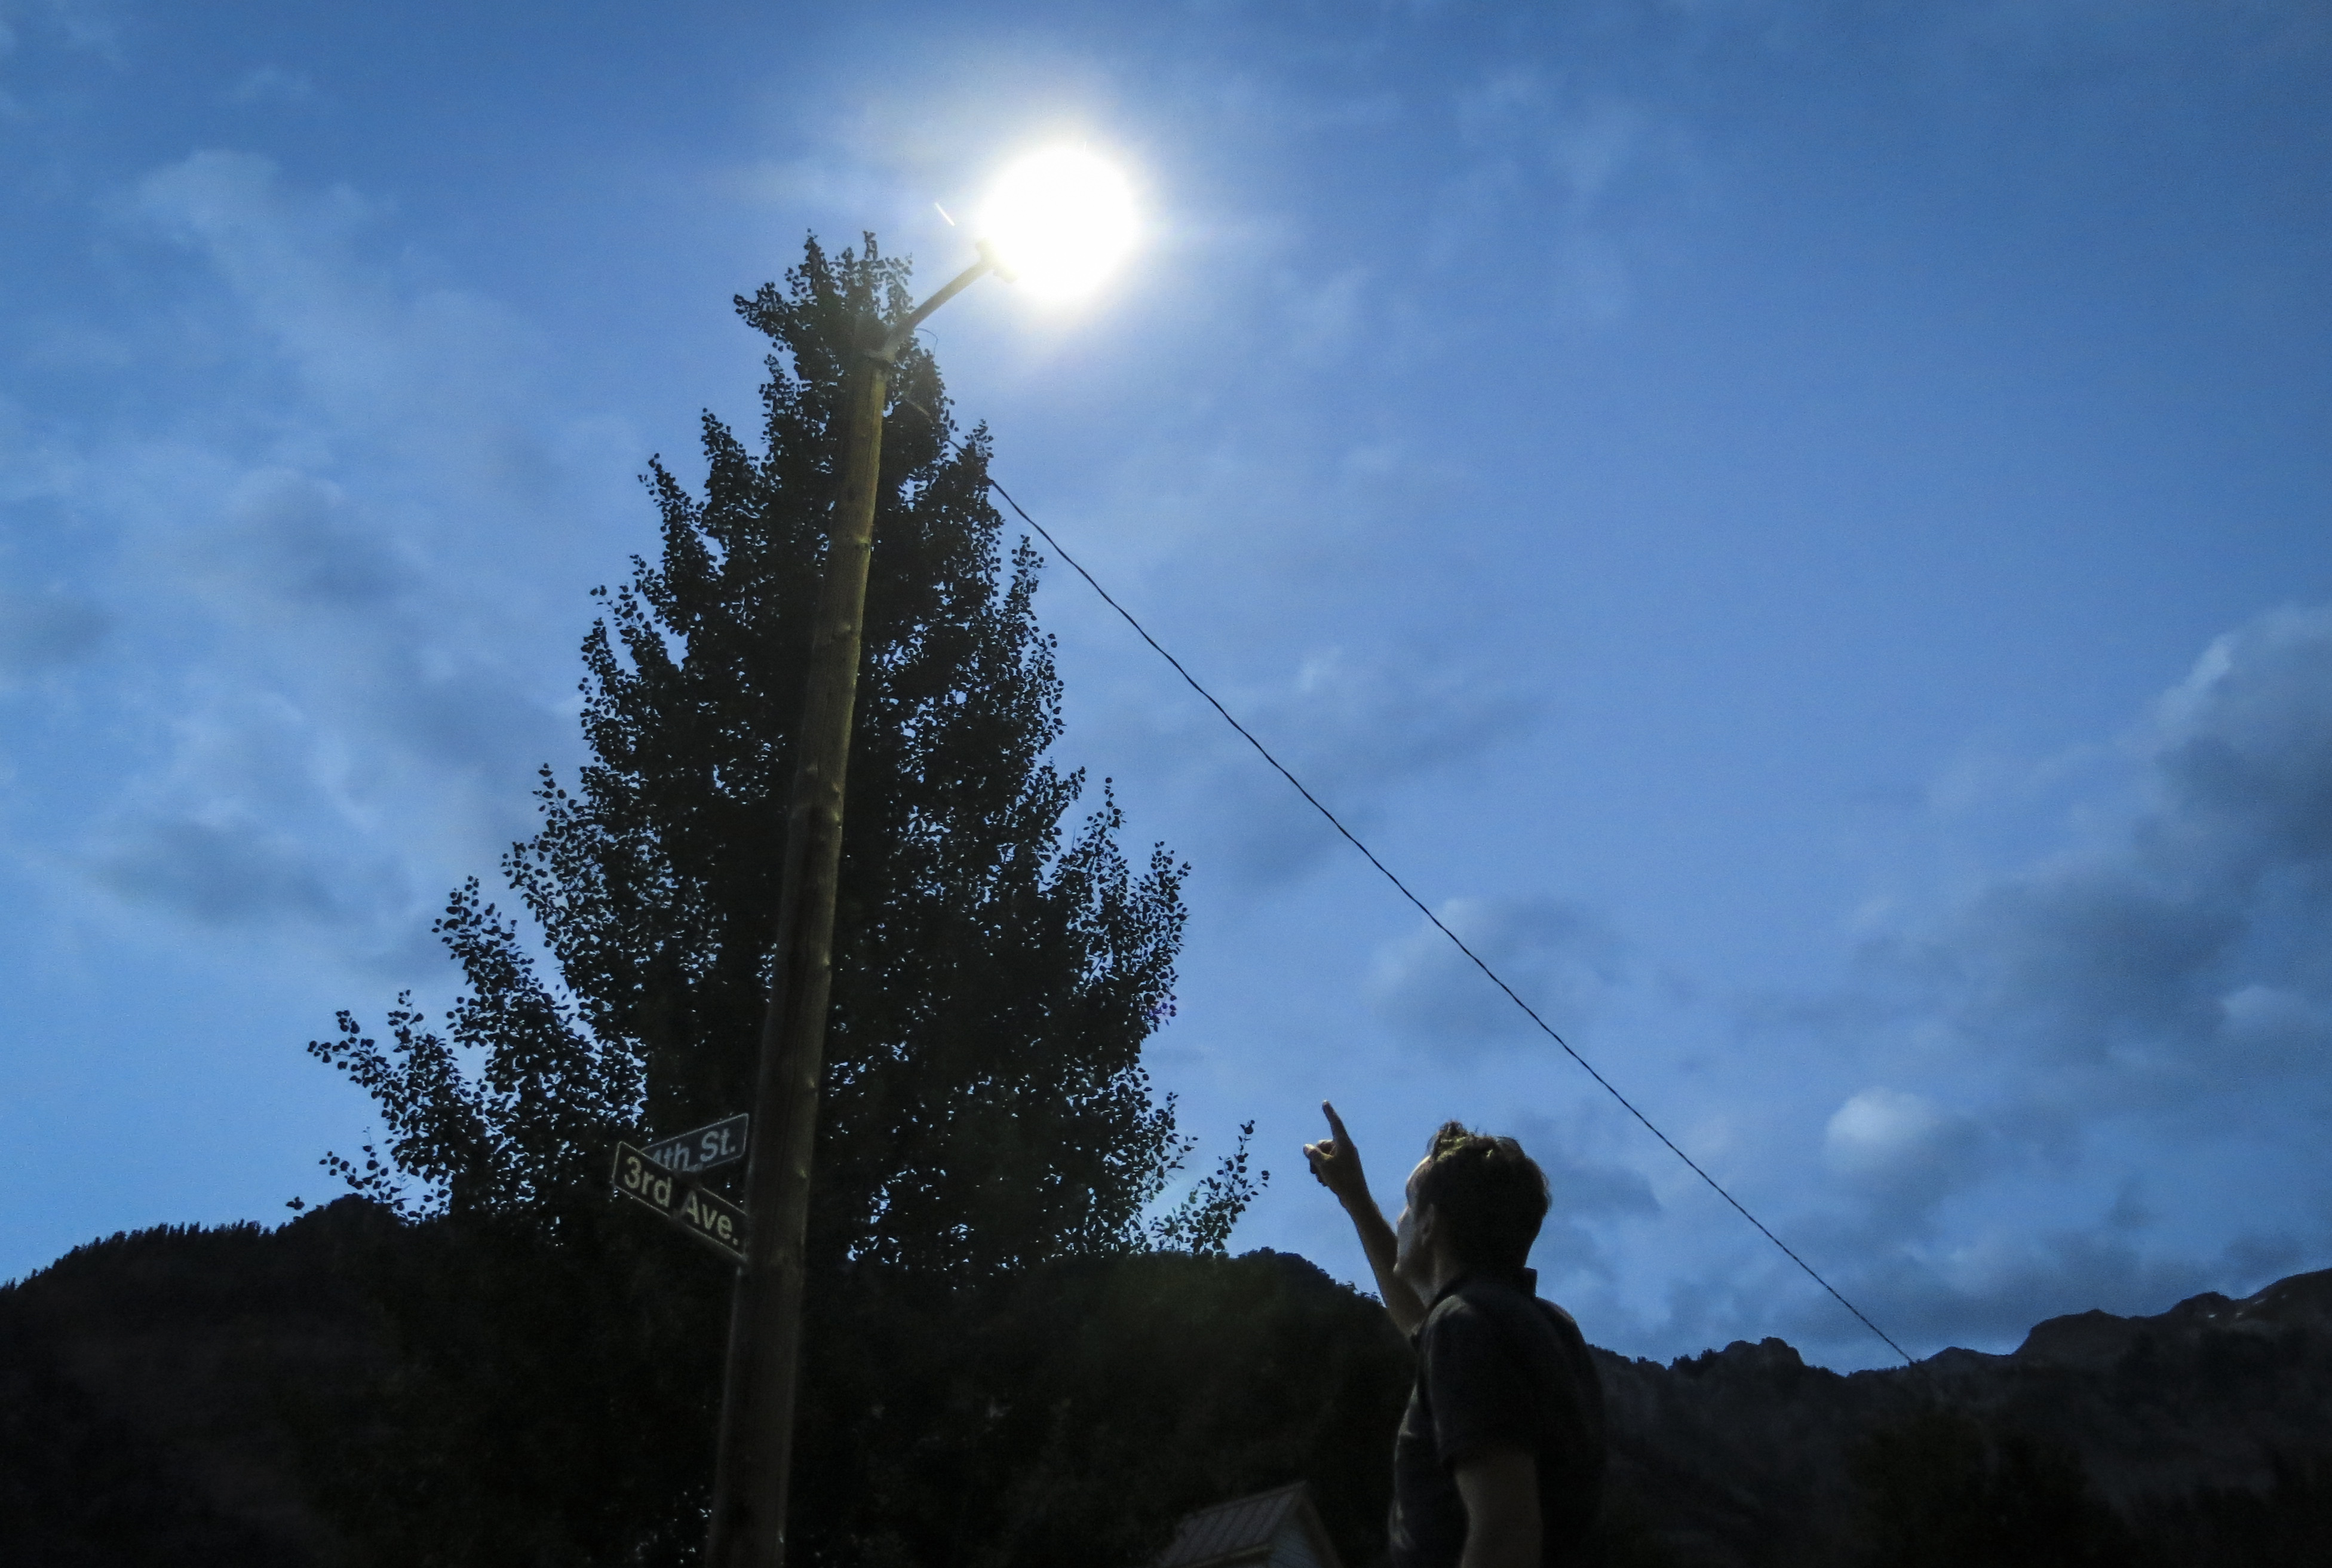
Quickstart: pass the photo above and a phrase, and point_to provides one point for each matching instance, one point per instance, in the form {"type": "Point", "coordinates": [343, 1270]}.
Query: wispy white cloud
{"type": "Point", "coordinates": [92, 26]}
{"type": "Point", "coordinates": [1353, 730]}
{"type": "Point", "coordinates": [272, 84]}
{"type": "Point", "coordinates": [1902, 1148]}
{"type": "Point", "coordinates": [321, 700]}
{"type": "Point", "coordinates": [43, 631]}
{"type": "Point", "coordinates": [2089, 1055]}
{"type": "Point", "coordinates": [1557, 956]}
{"type": "Point", "coordinates": [2183, 959]}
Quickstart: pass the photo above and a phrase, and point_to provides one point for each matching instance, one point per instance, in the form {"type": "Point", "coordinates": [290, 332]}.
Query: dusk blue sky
{"type": "Point", "coordinates": [1799, 527]}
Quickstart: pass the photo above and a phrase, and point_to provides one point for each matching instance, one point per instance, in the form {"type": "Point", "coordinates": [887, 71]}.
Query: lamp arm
{"type": "Point", "coordinates": [896, 339]}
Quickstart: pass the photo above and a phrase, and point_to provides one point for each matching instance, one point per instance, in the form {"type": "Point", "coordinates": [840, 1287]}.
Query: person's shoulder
{"type": "Point", "coordinates": [1557, 1313]}
{"type": "Point", "coordinates": [1477, 1301]}
{"type": "Point", "coordinates": [1454, 1307]}
{"type": "Point", "coordinates": [1464, 1308]}
{"type": "Point", "coordinates": [1566, 1326]}
{"type": "Point", "coordinates": [1492, 1293]}
{"type": "Point", "coordinates": [1486, 1300]}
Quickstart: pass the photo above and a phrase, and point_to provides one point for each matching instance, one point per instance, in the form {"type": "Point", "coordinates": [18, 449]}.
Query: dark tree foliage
{"type": "Point", "coordinates": [1080, 1408]}
{"type": "Point", "coordinates": [1943, 1488]}
{"type": "Point", "coordinates": [79, 1487]}
{"type": "Point", "coordinates": [164, 1396]}
{"type": "Point", "coordinates": [1948, 1487]}
{"type": "Point", "coordinates": [2287, 1526]}
{"type": "Point", "coordinates": [145, 1386]}
{"type": "Point", "coordinates": [996, 969]}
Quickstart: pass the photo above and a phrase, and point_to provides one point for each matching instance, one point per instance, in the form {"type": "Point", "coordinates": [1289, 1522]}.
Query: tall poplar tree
{"type": "Point", "coordinates": [997, 966]}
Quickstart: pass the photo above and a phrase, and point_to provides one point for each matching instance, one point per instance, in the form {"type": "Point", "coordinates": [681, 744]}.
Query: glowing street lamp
{"type": "Point", "coordinates": [1058, 221]}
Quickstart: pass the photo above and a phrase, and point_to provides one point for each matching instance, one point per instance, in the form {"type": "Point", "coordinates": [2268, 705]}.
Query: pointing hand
{"type": "Point", "coordinates": [1335, 1162]}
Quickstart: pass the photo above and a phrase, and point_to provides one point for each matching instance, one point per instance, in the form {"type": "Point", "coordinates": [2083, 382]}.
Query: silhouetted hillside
{"type": "Point", "coordinates": [153, 1388]}
{"type": "Point", "coordinates": [171, 1396]}
{"type": "Point", "coordinates": [1747, 1456]}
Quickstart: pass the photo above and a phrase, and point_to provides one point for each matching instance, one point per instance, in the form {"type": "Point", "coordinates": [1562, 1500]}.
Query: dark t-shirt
{"type": "Point", "coordinates": [1497, 1367]}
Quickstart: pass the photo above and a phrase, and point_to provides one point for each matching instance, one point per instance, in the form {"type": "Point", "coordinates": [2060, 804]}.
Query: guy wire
{"type": "Point", "coordinates": [1350, 837]}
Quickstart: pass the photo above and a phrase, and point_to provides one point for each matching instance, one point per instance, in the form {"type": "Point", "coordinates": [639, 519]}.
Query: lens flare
{"type": "Point", "coordinates": [1058, 221]}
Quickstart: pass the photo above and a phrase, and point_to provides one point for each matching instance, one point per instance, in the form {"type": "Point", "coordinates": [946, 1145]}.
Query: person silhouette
{"type": "Point", "coordinates": [1499, 1459]}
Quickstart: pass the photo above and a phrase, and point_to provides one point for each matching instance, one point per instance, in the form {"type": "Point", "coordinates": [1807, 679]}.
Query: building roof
{"type": "Point", "coordinates": [1245, 1529]}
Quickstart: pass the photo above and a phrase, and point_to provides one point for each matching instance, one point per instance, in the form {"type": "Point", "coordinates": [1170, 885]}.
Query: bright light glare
{"type": "Point", "coordinates": [1058, 221]}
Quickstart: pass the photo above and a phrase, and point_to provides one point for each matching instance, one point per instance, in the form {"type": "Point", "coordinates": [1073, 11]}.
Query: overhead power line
{"type": "Point", "coordinates": [1353, 839]}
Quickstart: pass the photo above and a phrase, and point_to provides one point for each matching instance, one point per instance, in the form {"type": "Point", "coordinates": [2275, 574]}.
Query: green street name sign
{"type": "Point", "coordinates": [696, 1152]}
{"type": "Point", "coordinates": [682, 1201]}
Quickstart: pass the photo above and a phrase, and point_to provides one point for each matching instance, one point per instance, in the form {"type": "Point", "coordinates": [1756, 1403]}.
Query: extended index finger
{"type": "Point", "coordinates": [1336, 1126]}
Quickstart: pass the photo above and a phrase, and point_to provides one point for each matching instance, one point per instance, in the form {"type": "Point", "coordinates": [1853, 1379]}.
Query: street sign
{"type": "Point", "coordinates": [701, 1151]}
{"type": "Point", "coordinates": [683, 1200]}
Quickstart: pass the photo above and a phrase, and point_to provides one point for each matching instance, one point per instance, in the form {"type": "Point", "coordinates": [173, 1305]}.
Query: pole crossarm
{"type": "Point", "coordinates": [896, 339]}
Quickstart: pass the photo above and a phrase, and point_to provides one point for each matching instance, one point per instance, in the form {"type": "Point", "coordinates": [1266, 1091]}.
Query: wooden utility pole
{"type": "Point", "coordinates": [750, 1481]}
